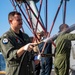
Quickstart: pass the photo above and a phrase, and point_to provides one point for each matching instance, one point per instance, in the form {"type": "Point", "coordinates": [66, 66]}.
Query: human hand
{"type": "Point", "coordinates": [38, 57]}
{"type": "Point", "coordinates": [29, 46]}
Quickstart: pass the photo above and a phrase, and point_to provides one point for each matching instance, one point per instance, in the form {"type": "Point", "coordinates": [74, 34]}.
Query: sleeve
{"type": "Point", "coordinates": [8, 49]}
{"type": "Point", "coordinates": [70, 36]}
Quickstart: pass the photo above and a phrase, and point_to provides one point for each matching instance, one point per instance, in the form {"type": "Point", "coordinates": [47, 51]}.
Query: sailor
{"type": "Point", "coordinates": [45, 62]}
{"type": "Point", "coordinates": [62, 51]}
{"type": "Point", "coordinates": [17, 48]}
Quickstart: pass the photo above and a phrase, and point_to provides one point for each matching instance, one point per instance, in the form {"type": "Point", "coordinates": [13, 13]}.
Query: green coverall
{"type": "Point", "coordinates": [10, 43]}
{"type": "Point", "coordinates": [62, 53]}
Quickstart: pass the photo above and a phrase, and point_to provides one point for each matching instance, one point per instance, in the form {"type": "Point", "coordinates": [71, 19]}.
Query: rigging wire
{"type": "Point", "coordinates": [46, 14]}
{"type": "Point", "coordinates": [12, 2]}
{"type": "Point", "coordinates": [39, 14]}
{"type": "Point", "coordinates": [52, 27]}
{"type": "Point", "coordinates": [36, 17]}
{"type": "Point", "coordinates": [64, 14]}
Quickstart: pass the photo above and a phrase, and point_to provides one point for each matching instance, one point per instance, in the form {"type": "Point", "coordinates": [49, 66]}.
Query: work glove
{"type": "Point", "coordinates": [37, 57]}
{"type": "Point", "coordinates": [29, 46]}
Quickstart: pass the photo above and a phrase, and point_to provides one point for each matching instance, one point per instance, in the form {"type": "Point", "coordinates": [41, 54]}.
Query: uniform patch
{"type": "Point", "coordinates": [5, 41]}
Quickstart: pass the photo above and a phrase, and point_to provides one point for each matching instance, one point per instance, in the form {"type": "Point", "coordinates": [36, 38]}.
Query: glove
{"type": "Point", "coordinates": [38, 57]}
{"type": "Point", "coordinates": [27, 46]}
{"type": "Point", "coordinates": [46, 39]}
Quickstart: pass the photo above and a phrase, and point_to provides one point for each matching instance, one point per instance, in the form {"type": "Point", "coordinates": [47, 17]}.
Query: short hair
{"type": "Point", "coordinates": [11, 14]}
{"type": "Point", "coordinates": [41, 33]}
{"type": "Point", "coordinates": [61, 27]}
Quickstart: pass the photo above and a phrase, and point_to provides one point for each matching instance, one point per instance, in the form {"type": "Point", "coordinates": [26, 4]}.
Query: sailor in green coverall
{"type": "Point", "coordinates": [62, 51]}
{"type": "Point", "coordinates": [16, 48]}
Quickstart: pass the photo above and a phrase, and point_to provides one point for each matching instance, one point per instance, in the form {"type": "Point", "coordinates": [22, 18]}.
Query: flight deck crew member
{"type": "Point", "coordinates": [45, 62]}
{"type": "Point", "coordinates": [16, 48]}
{"type": "Point", "coordinates": [62, 52]}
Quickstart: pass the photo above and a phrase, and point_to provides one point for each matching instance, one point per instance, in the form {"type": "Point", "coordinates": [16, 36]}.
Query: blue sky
{"type": "Point", "coordinates": [6, 7]}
